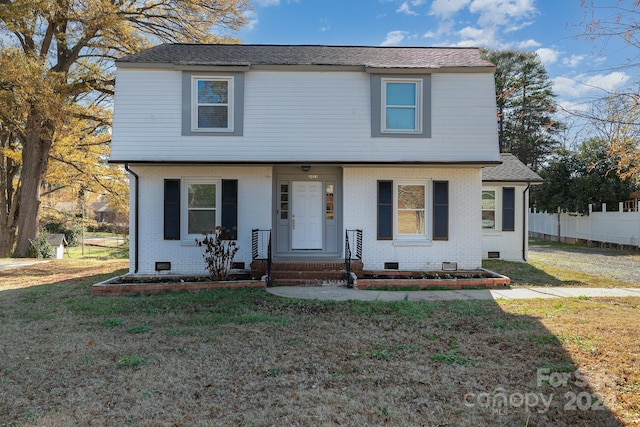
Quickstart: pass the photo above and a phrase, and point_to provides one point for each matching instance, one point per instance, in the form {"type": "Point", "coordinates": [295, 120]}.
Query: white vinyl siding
{"type": "Point", "coordinates": [299, 116]}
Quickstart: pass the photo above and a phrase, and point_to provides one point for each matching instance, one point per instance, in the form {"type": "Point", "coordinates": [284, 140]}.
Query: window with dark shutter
{"type": "Point", "coordinates": [171, 209]}
{"type": "Point", "coordinates": [230, 208]}
{"type": "Point", "coordinates": [385, 210]}
{"type": "Point", "coordinates": [508, 208]}
{"type": "Point", "coordinates": [440, 210]}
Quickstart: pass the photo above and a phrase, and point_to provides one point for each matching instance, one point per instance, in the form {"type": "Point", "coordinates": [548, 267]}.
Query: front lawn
{"type": "Point", "coordinates": [248, 358]}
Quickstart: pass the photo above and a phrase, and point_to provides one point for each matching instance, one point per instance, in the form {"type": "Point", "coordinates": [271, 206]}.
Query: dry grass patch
{"type": "Point", "coordinates": [539, 273]}
{"type": "Point", "coordinates": [64, 270]}
{"type": "Point", "coordinates": [244, 357]}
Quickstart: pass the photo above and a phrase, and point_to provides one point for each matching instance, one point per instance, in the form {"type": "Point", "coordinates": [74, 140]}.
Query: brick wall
{"type": "Point", "coordinates": [465, 238]}
{"type": "Point", "coordinates": [254, 207]}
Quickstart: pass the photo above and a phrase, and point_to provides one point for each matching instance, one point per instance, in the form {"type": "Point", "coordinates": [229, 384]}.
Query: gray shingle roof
{"type": "Point", "coordinates": [511, 169]}
{"type": "Point", "coordinates": [56, 240]}
{"type": "Point", "coordinates": [245, 55]}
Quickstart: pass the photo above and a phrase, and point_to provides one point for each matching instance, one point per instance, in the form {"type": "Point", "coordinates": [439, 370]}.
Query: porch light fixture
{"type": "Point", "coordinates": [305, 168]}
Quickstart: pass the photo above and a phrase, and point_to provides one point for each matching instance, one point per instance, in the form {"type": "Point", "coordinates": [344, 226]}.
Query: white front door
{"type": "Point", "coordinates": [306, 215]}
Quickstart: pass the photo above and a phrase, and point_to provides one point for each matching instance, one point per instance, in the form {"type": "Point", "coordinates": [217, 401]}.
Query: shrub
{"type": "Point", "coordinates": [72, 234]}
{"type": "Point", "coordinates": [40, 247]}
{"type": "Point", "coordinates": [218, 253]}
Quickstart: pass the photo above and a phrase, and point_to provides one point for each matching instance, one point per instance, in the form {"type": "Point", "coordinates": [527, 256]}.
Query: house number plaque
{"type": "Point", "coordinates": [313, 176]}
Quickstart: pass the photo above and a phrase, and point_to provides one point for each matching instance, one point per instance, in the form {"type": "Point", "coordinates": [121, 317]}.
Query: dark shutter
{"type": "Point", "coordinates": [171, 209]}
{"type": "Point", "coordinates": [508, 208]}
{"type": "Point", "coordinates": [441, 210]}
{"type": "Point", "coordinates": [230, 208]}
{"type": "Point", "coordinates": [385, 210]}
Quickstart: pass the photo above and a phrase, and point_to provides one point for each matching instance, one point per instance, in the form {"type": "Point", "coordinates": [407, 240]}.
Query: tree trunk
{"type": "Point", "coordinates": [35, 155]}
{"type": "Point", "coordinates": [8, 171]}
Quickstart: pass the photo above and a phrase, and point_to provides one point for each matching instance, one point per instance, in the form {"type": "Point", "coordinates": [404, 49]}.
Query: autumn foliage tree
{"type": "Point", "coordinates": [56, 88]}
{"type": "Point", "coordinates": [615, 27]}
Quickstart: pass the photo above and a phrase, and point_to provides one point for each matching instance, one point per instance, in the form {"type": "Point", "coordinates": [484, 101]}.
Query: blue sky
{"type": "Point", "coordinates": [580, 71]}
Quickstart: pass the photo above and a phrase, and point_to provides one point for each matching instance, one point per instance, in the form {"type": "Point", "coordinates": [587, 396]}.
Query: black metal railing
{"type": "Point", "coordinates": [261, 249]}
{"type": "Point", "coordinates": [352, 250]}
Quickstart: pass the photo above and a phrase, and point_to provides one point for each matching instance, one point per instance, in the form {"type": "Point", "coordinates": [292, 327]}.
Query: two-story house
{"type": "Point", "coordinates": [307, 142]}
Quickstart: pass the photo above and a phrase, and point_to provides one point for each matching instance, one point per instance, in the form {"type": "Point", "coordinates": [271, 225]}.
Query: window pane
{"type": "Point", "coordinates": [401, 94]}
{"type": "Point", "coordinates": [410, 222]}
{"type": "Point", "coordinates": [401, 118]}
{"type": "Point", "coordinates": [411, 197]}
{"type": "Point", "coordinates": [488, 199]}
{"type": "Point", "coordinates": [488, 219]}
{"type": "Point", "coordinates": [213, 117]}
{"type": "Point", "coordinates": [213, 92]}
{"type": "Point", "coordinates": [329, 201]}
{"type": "Point", "coordinates": [202, 221]}
{"type": "Point", "coordinates": [202, 196]}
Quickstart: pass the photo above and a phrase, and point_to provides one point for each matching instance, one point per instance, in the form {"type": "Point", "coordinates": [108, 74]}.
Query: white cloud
{"type": "Point", "coordinates": [517, 27]}
{"type": "Point", "coordinates": [251, 20]}
{"type": "Point", "coordinates": [582, 84]}
{"type": "Point", "coordinates": [394, 38]}
{"type": "Point", "coordinates": [404, 8]}
{"type": "Point", "coordinates": [447, 8]}
{"type": "Point", "coordinates": [266, 3]}
{"type": "Point", "coordinates": [547, 56]}
{"type": "Point", "coordinates": [478, 37]}
{"type": "Point", "coordinates": [501, 12]}
{"type": "Point", "coordinates": [527, 44]}
{"type": "Point", "coordinates": [573, 60]}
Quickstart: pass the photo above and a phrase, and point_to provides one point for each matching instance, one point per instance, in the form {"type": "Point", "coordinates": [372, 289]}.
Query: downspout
{"type": "Point", "coordinates": [525, 230]}
{"type": "Point", "coordinates": [135, 221]}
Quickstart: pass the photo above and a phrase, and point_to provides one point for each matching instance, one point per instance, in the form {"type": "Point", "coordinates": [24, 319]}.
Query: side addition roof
{"type": "Point", "coordinates": [511, 170]}
{"type": "Point", "coordinates": [309, 55]}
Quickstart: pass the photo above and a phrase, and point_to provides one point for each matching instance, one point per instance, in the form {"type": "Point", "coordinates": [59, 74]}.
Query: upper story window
{"type": "Point", "coordinates": [212, 104]}
{"type": "Point", "coordinates": [401, 105]}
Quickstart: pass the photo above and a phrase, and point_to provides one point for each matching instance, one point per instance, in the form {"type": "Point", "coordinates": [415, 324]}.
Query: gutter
{"type": "Point", "coordinates": [525, 230]}
{"type": "Point", "coordinates": [136, 219]}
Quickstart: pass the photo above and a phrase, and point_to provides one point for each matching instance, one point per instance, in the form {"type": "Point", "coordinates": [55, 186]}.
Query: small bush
{"type": "Point", "coordinates": [218, 253]}
{"type": "Point", "coordinates": [72, 234]}
{"type": "Point", "coordinates": [40, 247]}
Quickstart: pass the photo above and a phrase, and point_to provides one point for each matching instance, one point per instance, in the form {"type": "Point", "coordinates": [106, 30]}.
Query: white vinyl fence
{"type": "Point", "coordinates": [621, 229]}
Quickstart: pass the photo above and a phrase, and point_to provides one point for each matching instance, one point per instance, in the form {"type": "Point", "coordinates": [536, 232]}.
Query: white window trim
{"type": "Point", "coordinates": [184, 208]}
{"type": "Point", "coordinates": [426, 236]}
{"type": "Point", "coordinates": [418, 106]}
{"type": "Point", "coordinates": [194, 103]}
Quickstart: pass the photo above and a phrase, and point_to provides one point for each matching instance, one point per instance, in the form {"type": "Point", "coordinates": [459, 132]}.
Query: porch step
{"type": "Point", "coordinates": [305, 272]}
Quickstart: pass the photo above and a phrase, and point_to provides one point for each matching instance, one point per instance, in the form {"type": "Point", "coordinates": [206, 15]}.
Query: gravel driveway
{"type": "Point", "coordinates": [603, 262]}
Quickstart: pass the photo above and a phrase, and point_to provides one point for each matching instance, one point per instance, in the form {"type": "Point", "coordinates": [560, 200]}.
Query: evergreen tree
{"type": "Point", "coordinates": [575, 179]}
{"type": "Point", "coordinates": [525, 106]}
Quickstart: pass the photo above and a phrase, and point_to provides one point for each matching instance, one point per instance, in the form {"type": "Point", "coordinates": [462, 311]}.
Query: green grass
{"type": "Point", "coordinates": [98, 252]}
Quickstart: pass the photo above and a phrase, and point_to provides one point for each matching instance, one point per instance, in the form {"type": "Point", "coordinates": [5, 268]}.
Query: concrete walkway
{"type": "Point", "coordinates": [14, 263]}
{"type": "Point", "coordinates": [335, 293]}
